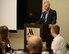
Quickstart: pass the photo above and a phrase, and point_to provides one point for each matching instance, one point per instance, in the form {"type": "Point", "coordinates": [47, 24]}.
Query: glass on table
{"type": "Point", "coordinates": [44, 46]}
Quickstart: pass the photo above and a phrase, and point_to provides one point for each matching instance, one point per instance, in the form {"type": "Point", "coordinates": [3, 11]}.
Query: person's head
{"type": "Point", "coordinates": [34, 44]}
{"type": "Point", "coordinates": [55, 30]}
{"type": "Point", "coordinates": [46, 5]}
{"type": "Point", "coordinates": [4, 32]}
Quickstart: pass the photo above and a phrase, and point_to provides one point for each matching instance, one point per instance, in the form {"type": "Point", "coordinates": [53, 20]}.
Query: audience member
{"type": "Point", "coordinates": [58, 43]}
{"type": "Point", "coordinates": [34, 45]}
{"type": "Point", "coordinates": [4, 34]}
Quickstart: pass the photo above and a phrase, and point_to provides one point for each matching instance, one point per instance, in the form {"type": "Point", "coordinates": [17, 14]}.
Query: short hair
{"type": "Point", "coordinates": [37, 46]}
{"type": "Point", "coordinates": [55, 28]}
{"type": "Point", "coordinates": [47, 2]}
{"type": "Point", "coordinates": [4, 31]}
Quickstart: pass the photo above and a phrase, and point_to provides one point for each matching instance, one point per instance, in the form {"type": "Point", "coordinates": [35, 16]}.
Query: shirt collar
{"type": "Point", "coordinates": [48, 11]}
{"type": "Point", "coordinates": [56, 37]}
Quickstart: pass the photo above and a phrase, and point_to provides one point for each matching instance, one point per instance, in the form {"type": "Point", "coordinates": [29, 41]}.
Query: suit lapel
{"type": "Point", "coordinates": [49, 14]}
{"type": "Point", "coordinates": [44, 14]}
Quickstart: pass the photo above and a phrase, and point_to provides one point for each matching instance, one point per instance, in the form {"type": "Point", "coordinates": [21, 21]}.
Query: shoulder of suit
{"type": "Point", "coordinates": [53, 10]}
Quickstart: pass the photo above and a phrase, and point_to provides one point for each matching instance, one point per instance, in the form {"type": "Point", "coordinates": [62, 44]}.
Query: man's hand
{"type": "Point", "coordinates": [50, 25]}
{"type": "Point", "coordinates": [2, 45]}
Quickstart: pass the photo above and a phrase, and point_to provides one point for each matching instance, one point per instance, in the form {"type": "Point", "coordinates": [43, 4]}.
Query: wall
{"type": "Point", "coordinates": [17, 39]}
{"type": "Point", "coordinates": [8, 12]}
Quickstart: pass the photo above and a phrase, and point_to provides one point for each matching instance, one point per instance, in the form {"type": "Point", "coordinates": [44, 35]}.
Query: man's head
{"type": "Point", "coordinates": [4, 30]}
{"type": "Point", "coordinates": [46, 5]}
{"type": "Point", "coordinates": [55, 30]}
{"type": "Point", "coordinates": [34, 44]}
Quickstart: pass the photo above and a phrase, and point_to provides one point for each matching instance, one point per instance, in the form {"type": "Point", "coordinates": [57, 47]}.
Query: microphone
{"type": "Point", "coordinates": [41, 15]}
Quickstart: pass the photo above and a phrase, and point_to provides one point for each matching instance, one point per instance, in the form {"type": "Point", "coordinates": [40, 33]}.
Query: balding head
{"type": "Point", "coordinates": [35, 44]}
{"type": "Point", "coordinates": [46, 5]}
{"type": "Point", "coordinates": [34, 39]}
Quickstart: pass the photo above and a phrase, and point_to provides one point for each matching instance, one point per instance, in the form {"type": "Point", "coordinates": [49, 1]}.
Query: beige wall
{"type": "Point", "coordinates": [62, 8]}
{"type": "Point", "coordinates": [8, 12]}
{"type": "Point", "coordinates": [17, 39]}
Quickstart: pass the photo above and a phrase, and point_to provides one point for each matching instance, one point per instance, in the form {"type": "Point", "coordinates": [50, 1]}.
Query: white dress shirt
{"type": "Point", "coordinates": [58, 45]}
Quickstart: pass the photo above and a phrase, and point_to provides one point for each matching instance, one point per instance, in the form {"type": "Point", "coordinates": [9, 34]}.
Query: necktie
{"type": "Point", "coordinates": [46, 15]}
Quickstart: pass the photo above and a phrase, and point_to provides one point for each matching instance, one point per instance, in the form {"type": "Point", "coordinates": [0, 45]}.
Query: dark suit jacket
{"type": "Point", "coordinates": [51, 18]}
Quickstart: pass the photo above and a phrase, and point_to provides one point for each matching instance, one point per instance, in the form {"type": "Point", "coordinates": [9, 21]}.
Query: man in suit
{"type": "Point", "coordinates": [48, 17]}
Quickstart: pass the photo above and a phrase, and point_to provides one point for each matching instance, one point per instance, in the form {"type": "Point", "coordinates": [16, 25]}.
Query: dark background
{"type": "Point", "coordinates": [28, 11]}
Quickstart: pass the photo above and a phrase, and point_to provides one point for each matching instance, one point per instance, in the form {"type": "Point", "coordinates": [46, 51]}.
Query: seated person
{"type": "Point", "coordinates": [34, 45]}
{"type": "Point", "coordinates": [58, 43]}
{"type": "Point", "coordinates": [4, 34]}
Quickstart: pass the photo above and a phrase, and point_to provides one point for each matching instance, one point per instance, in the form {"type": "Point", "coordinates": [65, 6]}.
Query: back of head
{"type": "Point", "coordinates": [55, 28]}
{"type": "Point", "coordinates": [35, 44]}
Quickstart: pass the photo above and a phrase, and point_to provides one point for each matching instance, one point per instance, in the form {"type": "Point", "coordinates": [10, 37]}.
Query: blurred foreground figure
{"type": "Point", "coordinates": [4, 35]}
{"type": "Point", "coordinates": [34, 45]}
